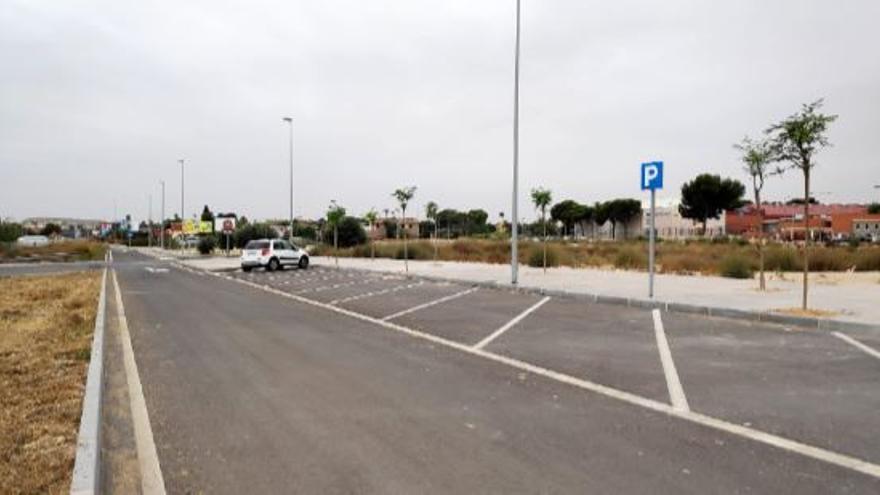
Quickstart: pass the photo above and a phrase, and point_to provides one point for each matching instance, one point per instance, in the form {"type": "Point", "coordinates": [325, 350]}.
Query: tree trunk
{"type": "Point", "coordinates": [544, 224]}
{"type": "Point", "coordinates": [435, 239]}
{"type": "Point", "coordinates": [762, 282]}
{"type": "Point", "coordinates": [336, 245]}
{"type": "Point", "coordinates": [405, 247]}
{"type": "Point", "coordinates": [806, 233]}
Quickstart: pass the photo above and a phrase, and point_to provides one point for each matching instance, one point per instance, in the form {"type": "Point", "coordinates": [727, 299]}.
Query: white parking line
{"type": "Point", "coordinates": [429, 304]}
{"type": "Point", "coordinates": [376, 293]}
{"type": "Point", "coordinates": [676, 392]}
{"type": "Point", "coordinates": [331, 287]}
{"type": "Point", "coordinates": [856, 343]}
{"type": "Point", "coordinates": [507, 326]}
{"type": "Point", "coordinates": [759, 436]}
{"type": "Point", "coordinates": [151, 474]}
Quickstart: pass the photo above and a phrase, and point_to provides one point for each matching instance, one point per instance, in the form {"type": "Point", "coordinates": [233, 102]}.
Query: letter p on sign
{"type": "Point", "coordinates": [652, 175]}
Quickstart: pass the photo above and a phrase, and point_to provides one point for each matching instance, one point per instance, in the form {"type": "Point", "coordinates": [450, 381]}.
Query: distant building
{"type": "Point", "coordinates": [70, 227]}
{"type": "Point", "coordinates": [669, 223]}
{"type": "Point", "coordinates": [410, 225]}
{"type": "Point", "coordinates": [786, 222]}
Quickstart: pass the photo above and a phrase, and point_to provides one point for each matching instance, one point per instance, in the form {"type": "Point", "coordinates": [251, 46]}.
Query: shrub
{"type": "Point", "coordinates": [415, 251]}
{"type": "Point", "coordinates": [736, 266]}
{"type": "Point", "coordinates": [536, 258]}
{"type": "Point", "coordinates": [630, 258]}
{"type": "Point", "coordinates": [350, 232]}
{"type": "Point", "coordinates": [250, 231]}
{"type": "Point", "coordinates": [782, 259]}
{"type": "Point", "coordinates": [207, 244]}
{"type": "Point", "coordinates": [868, 259]}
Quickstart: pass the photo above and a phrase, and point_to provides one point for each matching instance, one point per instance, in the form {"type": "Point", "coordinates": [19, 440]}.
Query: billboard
{"type": "Point", "coordinates": [225, 225]}
{"type": "Point", "coordinates": [196, 227]}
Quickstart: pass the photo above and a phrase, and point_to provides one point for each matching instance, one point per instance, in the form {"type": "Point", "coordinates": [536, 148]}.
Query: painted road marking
{"type": "Point", "coordinates": [782, 443]}
{"type": "Point", "coordinates": [676, 392]}
{"type": "Point", "coordinates": [856, 343]}
{"type": "Point", "coordinates": [334, 286]}
{"type": "Point", "coordinates": [507, 326]}
{"type": "Point", "coordinates": [429, 304]}
{"type": "Point", "coordinates": [151, 475]}
{"type": "Point", "coordinates": [375, 293]}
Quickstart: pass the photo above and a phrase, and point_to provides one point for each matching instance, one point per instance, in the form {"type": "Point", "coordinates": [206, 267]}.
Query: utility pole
{"type": "Point", "coordinates": [290, 123]}
{"type": "Point", "coordinates": [182, 216]}
{"type": "Point", "coordinates": [162, 219]}
{"type": "Point", "coordinates": [514, 257]}
{"type": "Point", "coordinates": [150, 222]}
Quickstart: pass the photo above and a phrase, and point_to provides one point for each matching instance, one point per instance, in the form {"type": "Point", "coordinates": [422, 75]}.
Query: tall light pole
{"type": "Point", "coordinates": [290, 125]}
{"type": "Point", "coordinates": [182, 216]}
{"type": "Point", "coordinates": [150, 222]}
{"type": "Point", "coordinates": [162, 218]}
{"type": "Point", "coordinates": [514, 259]}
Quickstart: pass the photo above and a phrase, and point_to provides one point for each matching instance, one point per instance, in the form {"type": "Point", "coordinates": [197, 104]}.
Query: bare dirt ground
{"type": "Point", "coordinates": [46, 325]}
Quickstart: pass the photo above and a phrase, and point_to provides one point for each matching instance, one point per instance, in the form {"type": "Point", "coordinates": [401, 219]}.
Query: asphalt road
{"type": "Point", "coordinates": [249, 391]}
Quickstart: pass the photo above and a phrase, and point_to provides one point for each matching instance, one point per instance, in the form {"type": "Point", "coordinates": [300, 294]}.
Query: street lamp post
{"type": "Point", "coordinates": [150, 222]}
{"type": "Point", "coordinates": [290, 125]}
{"type": "Point", "coordinates": [162, 218]}
{"type": "Point", "coordinates": [182, 216]}
{"type": "Point", "coordinates": [514, 259]}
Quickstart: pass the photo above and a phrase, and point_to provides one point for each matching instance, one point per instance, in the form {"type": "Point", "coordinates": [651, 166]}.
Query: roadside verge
{"type": "Point", "coordinates": [86, 469]}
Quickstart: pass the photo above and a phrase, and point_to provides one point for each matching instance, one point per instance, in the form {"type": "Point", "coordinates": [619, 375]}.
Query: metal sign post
{"type": "Point", "coordinates": [652, 179]}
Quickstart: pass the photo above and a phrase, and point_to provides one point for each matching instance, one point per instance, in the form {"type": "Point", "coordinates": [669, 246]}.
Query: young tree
{"type": "Point", "coordinates": [403, 196]}
{"type": "Point", "coordinates": [542, 198]}
{"type": "Point", "coordinates": [335, 214]}
{"type": "Point", "coordinates": [707, 196]}
{"type": "Point", "coordinates": [371, 217]}
{"type": "Point", "coordinates": [757, 156]}
{"type": "Point", "coordinates": [431, 213]}
{"type": "Point", "coordinates": [796, 140]}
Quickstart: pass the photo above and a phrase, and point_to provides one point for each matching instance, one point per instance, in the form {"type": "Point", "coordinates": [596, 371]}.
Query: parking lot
{"type": "Point", "coordinates": [816, 388]}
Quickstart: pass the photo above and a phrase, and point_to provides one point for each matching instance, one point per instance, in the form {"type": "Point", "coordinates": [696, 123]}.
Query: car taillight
{"type": "Point", "coordinates": [265, 252]}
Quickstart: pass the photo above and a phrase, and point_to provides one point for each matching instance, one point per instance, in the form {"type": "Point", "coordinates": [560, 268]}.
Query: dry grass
{"type": "Point", "coordinates": [693, 257]}
{"type": "Point", "coordinates": [60, 251]}
{"type": "Point", "coordinates": [46, 324]}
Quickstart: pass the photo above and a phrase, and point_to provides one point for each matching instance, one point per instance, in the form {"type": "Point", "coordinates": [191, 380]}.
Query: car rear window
{"type": "Point", "coordinates": [257, 245]}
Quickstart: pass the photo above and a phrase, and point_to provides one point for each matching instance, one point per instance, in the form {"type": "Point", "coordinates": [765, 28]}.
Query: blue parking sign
{"type": "Point", "coordinates": [652, 175]}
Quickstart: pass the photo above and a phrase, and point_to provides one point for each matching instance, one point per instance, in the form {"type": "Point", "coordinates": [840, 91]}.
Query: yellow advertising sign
{"type": "Point", "coordinates": [193, 227]}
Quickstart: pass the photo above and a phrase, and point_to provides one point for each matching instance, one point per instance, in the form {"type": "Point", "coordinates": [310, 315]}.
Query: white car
{"type": "Point", "coordinates": [272, 255]}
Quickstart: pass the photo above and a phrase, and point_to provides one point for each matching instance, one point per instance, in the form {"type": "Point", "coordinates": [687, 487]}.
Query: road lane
{"type": "Point", "coordinates": [250, 392]}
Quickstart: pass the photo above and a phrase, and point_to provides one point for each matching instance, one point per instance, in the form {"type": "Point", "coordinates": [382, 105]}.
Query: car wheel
{"type": "Point", "coordinates": [303, 262]}
{"type": "Point", "coordinates": [246, 269]}
{"type": "Point", "coordinates": [273, 265]}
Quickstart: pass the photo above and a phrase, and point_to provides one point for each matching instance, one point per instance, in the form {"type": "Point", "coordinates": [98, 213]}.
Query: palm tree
{"type": "Point", "coordinates": [335, 214]}
{"type": "Point", "coordinates": [757, 156]}
{"type": "Point", "coordinates": [403, 196]}
{"type": "Point", "coordinates": [371, 217]}
{"type": "Point", "coordinates": [542, 198]}
{"type": "Point", "coordinates": [431, 213]}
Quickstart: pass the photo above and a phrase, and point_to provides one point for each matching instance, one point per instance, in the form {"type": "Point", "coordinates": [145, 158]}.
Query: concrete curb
{"type": "Point", "coordinates": [669, 306]}
{"type": "Point", "coordinates": [86, 477]}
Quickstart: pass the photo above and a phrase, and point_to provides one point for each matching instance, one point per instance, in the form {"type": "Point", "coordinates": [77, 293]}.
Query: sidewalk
{"type": "Point", "coordinates": [851, 297]}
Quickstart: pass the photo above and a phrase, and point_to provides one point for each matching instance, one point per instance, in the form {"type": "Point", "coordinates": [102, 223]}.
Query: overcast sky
{"type": "Point", "coordinates": [98, 100]}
